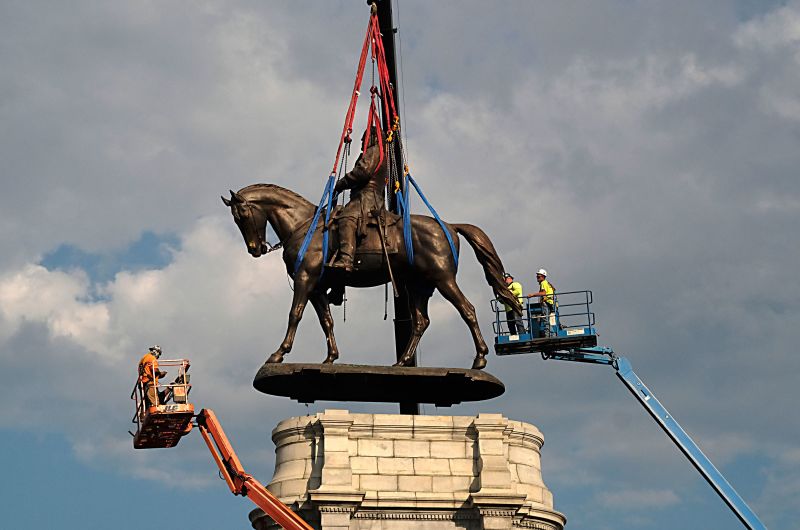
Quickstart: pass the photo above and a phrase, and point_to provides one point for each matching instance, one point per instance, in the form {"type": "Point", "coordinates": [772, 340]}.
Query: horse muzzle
{"type": "Point", "coordinates": [256, 249]}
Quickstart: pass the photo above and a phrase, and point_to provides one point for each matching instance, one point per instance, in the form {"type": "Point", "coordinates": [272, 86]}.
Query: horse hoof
{"type": "Point", "coordinates": [402, 362]}
{"type": "Point", "coordinates": [479, 363]}
{"type": "Point", "coordinates": [330, 359]}
{"type": "Point", "coordinates": [276, 357]}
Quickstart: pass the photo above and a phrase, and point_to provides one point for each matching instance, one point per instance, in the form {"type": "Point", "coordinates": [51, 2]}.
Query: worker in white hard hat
{"type": "Point", "coordinates": [547, 304]}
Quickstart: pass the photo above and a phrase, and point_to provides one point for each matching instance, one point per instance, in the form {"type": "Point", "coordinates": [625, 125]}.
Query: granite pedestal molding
{"type": "Point", "coordinates": [344, 471]}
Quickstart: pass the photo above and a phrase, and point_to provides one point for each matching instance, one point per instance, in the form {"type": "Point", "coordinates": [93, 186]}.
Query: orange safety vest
{"type": "Point", "coordinates": [148, 369]}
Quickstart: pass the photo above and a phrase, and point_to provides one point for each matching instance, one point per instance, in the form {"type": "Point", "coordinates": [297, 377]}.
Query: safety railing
{"type": "Point", "coordinates": [177, 391]}
{"type": "Point", "coordinates": [572, 310]}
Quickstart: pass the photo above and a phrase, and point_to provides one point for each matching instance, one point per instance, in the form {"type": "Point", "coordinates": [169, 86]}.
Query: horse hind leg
{"type": "Point", "coordinates": [419, 323]}
{"type": "Point", "coordinates": [453, 294]}
{"type": "Point", "coordinates": [320, 302]}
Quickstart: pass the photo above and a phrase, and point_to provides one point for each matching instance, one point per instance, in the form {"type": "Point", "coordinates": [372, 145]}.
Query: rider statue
{"type": "Point", "coordinates": [368, 189]}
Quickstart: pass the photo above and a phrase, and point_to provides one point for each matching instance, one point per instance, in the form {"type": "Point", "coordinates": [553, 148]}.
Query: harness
{"type": "Point", "coordinates": [384, 93]}
{"type": "Point", "coordinates": [263, 242]}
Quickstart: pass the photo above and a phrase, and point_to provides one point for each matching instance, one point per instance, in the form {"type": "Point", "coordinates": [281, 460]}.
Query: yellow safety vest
{"type": "Point", "coordinates": [516, 290]}
{"type": "Point", "coordinates": [545, 286]}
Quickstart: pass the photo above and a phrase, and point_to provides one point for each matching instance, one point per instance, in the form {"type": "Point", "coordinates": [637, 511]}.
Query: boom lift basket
{"type": "Point", "coordinates": [568, 334]}
{"type": "Point", "coordinates": [570, 325]}
{"type": "Point", "coordinates": [163, 425]}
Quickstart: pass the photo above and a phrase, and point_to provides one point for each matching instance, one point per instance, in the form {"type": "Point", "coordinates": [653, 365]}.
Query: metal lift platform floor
{"type": "Point", "coordinates": [163, 426]}
{"type": "Point", "coordinates": [523, 343]}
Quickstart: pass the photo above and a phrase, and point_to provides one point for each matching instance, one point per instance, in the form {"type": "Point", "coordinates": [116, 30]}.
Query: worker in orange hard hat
{"type": "Point", "coordinates": [149, 374]}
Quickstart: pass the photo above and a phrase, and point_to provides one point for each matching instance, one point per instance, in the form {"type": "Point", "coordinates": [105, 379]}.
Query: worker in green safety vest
{"type": "Point", "coordinates": [546, 293]}
{"type": "Point", "coordinates": [515, 324]}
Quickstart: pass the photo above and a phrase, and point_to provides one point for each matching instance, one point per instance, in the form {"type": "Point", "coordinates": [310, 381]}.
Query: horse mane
{"type": "Point", "coordinates": [280, 189]}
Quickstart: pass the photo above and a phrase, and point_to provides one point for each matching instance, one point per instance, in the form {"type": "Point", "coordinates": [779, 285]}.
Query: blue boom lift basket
{"type": "Point", "coordinates": [568, 334]}
{"type": "Point", "coordinates": [569, 326]}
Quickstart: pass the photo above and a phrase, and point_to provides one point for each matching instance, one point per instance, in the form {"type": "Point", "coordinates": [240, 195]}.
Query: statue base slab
{"type": "Point", "coordinates": [442, 387]}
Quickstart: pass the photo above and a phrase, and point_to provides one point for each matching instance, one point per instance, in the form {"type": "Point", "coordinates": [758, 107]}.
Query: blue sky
{"type": "Point", "coordinates": [149, 251]}
{"type": "Point", "coordinates": [646, 151]}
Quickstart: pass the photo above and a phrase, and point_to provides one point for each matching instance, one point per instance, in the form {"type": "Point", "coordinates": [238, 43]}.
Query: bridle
{"type": "Point", "coordinates": [261, 241]}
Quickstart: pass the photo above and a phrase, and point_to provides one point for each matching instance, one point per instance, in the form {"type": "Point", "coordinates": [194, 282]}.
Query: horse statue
{"type": "Point", "coordinates": [434, 266]}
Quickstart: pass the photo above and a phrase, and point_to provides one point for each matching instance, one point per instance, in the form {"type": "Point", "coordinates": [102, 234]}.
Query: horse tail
{"type": "Point", "coordinates": [490, 261]}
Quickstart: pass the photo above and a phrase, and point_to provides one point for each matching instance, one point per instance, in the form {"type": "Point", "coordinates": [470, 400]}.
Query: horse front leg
{"type": "Point", "coordinates": [320, 302]}
{"type": "Point", "coordinates": [302, 288]}
{"type": "Point", "coordinates": [453, 294]}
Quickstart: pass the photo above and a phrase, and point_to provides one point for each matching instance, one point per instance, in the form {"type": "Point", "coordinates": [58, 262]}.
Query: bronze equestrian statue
{"type": "Point", "coordinates": [434, 267]}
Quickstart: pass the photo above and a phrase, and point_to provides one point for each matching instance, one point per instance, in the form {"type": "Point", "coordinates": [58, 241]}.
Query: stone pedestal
{"type": "Point", "coordinates": [344, 471]}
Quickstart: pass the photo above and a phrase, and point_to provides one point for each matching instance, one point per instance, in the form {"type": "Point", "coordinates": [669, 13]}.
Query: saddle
{"type": "Point", "coordinates": [369, 254]}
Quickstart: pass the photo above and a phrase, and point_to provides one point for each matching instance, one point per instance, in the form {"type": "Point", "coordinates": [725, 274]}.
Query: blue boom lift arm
{"type": "Point", "coordinates": [565, 331]}
{"type": "Point", "coordinates": [625, 373]}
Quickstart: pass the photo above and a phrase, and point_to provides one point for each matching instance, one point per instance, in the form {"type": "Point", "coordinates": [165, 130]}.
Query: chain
{"type": "Point", "coordinates": [271, 248]}
{"type": "Point", "coordinates": [393, 180]}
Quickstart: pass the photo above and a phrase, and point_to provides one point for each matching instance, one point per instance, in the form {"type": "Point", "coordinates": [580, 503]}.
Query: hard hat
{"type": "Point", "coordinates": [156, 349]}
{"type": "Point", "coordinates": [507, 275]}
{"type": "Point", "coordinates": [542, 272]}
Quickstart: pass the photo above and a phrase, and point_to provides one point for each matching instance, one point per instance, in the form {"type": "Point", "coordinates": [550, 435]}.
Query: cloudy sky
{"type": "Point", "coordinates": [645, 150]}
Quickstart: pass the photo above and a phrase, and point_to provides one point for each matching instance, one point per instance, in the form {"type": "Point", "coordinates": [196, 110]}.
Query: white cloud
{"type": "Point", "coordinates": [780, 204]}
{"type": "Point", "coordinates": [791, 456]}
{"type": "Point", "coordinates": [777, 28]}
{"type": "Point", "coordinates": [199, 306]}
{"type": "Point", "coordinates": [775, 39]}
{"type": "Point", "coordinates": [782, 100]}
{"type": "Point", "coordinates": [61, 301]}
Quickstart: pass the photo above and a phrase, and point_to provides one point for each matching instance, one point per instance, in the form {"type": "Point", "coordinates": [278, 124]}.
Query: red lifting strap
{"type": "Point", "coordinates": [383, 70]}
{"type": "Point", "coordinates": [373, 43]}
{"type": "Point", "coordinates": [374, 121]}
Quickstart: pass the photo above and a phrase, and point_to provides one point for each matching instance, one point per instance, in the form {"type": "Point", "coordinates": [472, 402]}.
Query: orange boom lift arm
{"type": "Point", "coordinates": [239, 481]}
{"type": "Point", "coordinates": [163, 424]}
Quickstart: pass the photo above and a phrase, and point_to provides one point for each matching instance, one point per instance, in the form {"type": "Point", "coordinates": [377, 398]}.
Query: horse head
{"type": "Point", "coordinates": [252, 223]}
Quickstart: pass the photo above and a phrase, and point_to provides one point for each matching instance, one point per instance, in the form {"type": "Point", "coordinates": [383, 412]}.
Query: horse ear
{"type": "Point", "coordinates": [236, 197]}
{"type": "Point", "coordinates": [226, 201]}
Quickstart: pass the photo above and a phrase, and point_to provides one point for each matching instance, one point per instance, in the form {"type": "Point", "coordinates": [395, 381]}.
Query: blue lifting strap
{"type": "Point", "coordinates": [329, 195]}
{"type": "Point", "coordinates": [405, 211]}
{"type": "Point", "coordinates": [403, 200]}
